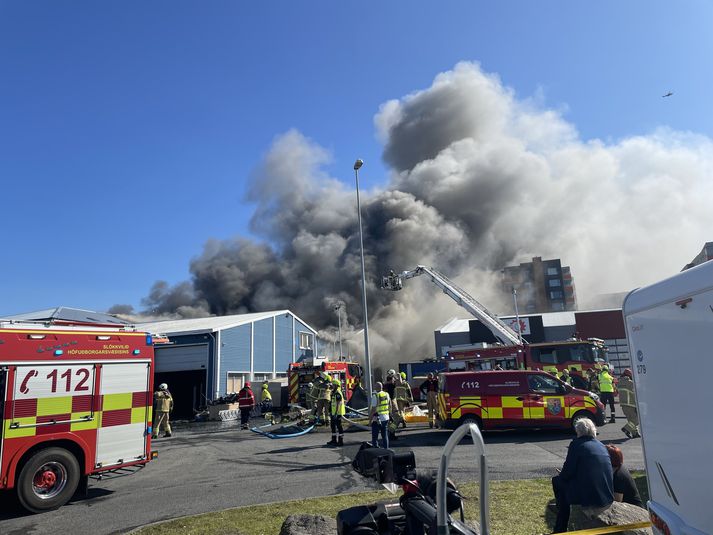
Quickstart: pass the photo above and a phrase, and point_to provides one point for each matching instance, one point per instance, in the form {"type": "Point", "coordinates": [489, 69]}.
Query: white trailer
{"type": "Point", "coordinates": [669, 325]}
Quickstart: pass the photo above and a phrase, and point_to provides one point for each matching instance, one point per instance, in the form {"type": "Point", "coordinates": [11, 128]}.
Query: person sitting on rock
{"type": "Point", "coordinates": [586, 477]}
{"type": "Point", "coordinates": [624, 487]}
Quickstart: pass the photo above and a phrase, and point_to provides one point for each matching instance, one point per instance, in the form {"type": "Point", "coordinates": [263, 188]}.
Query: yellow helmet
{"type": "Point", "coordinates": [403, 375]}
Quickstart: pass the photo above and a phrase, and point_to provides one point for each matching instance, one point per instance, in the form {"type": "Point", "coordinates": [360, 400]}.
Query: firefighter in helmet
{"type": "Point", "coordinates": [337, 409]}
{"type": "Point", "coordinates": [324, 395]}
{"type": "Point", "coordinates": [627, 400]}
{"type": "Point", "coordinates": [404, 397]}
{"type": "Point", "coordinates": [163, 406]}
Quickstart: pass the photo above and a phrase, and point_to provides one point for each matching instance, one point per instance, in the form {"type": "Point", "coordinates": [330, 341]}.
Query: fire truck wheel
{"type": "Point", "coordinates": [578, 416]}
{"type": "Point", "coordinates": [48, 480]}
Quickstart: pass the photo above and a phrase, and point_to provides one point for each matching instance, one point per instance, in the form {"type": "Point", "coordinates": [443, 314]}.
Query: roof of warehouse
{"type": "Point", "coordinates": [455, 325]}
{"type": "Point", "coordinates": [67, 314]}
{"type": "Point", "coordinates": [210, 324]}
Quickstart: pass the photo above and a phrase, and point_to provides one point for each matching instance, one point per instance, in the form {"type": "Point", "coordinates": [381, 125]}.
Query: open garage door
{"type": "Point", "coordinates": [183, 369]}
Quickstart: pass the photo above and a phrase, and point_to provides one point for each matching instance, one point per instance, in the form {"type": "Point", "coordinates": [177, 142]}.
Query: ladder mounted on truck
{"type": "Point", "coordinates": [503, 332]}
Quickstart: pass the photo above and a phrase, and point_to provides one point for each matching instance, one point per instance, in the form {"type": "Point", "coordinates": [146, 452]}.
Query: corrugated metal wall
{"type": "Point", "coordinates": [283, 342]}
{"type": "Point", "coordinates": [234, 353]}
{"type": "Point", "coordinates": [262, 348]}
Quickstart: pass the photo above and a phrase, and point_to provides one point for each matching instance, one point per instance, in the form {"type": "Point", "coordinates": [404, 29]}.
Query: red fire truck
{"type": "Point", "coordinates": [75, 401]}
{"type": "Point", "coordinates": [300, 374]}
{"type": "Point", "coordinates": [511, 352]}
{"type": "Point", "coordinates": [577, 355]}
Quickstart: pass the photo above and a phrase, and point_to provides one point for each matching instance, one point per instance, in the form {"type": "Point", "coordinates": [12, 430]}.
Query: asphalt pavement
{"type": "Point", "coordinates": [213, 466]}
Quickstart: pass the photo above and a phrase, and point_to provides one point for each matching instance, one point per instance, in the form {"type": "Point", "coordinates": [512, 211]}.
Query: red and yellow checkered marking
{"type": "Point", "coordinates": [43, 416]}
{"type": "Point", "coordinates": [512, 408]}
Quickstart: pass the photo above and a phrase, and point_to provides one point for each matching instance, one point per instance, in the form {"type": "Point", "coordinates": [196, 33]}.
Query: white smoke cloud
{"type": "Point", "coordinates": [479, 180]}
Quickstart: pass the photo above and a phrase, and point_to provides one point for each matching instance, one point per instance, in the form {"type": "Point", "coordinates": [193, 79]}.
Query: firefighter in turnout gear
{"type": "Point", "coordinates": [311, 395]}
{"type": "Point", "coordinates": [606, 390]}
{"type": "Point", "coordinates": [565, 377]}
{"type": "Point", "coordinates": [627, 400]}
{"type": "Point", "coordinates": [404, 397]}
{"type": "Point", "coordinates": [163, 405]}
{"type": "Point", "coordinates": [337, 409]}
{"type": "Point", "coordinates": [429, 388]}
{"type": "Point", "coordinates": [324, 394]}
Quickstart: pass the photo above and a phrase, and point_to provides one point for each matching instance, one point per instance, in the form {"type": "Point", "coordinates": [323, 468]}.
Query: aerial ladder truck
{"type": "Point", "coordinates": [512, 351]}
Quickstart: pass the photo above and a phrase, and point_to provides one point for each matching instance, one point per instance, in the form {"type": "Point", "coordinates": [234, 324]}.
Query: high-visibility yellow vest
{"type": "Point", "coordinates": [382, 405]}
{"type": "Point", "coordinates": [266, 396]}
{"type": "Point", "coordinates": [337, 403]}
{"type": "Point", "coordinates": [626, 392]}
{"type": "Point", "coordinates": [606, 383]}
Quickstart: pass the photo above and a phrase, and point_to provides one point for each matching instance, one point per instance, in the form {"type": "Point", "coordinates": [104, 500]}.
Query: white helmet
{"type": "Point", "coordinates": [163, 386]}
{"type": "Point", "coordinates": [391, 372]}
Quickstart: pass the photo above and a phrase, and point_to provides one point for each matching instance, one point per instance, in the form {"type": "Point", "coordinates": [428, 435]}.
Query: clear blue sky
{"type": "Point", "coordinates": [128, 129]}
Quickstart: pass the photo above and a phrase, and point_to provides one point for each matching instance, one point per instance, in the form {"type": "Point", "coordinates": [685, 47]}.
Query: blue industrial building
{"type": "Point", "coordinates": [210, 357]}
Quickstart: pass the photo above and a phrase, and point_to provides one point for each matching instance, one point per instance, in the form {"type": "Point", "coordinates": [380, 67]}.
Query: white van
{"type": "Point", "coordinates": [670, 329]}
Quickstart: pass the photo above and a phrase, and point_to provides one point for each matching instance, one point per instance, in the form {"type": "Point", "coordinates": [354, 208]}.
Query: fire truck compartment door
{"type": "Point", "coordinates": [126, 406]}
{"type": "Point", "coordinates": [181, 358]}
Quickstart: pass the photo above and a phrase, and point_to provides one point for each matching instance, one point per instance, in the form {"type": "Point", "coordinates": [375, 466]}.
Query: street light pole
{"type": "Point", "coordinates": [367, 360]}
{"type": "Point", "coordinates": [338, 309]}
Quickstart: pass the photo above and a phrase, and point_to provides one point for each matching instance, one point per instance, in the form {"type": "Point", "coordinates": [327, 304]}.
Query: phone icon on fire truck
{"type": "Point", "coordinates": [23, 385]}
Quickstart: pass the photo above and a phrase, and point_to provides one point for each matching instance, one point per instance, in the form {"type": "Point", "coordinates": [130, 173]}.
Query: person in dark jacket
{"type": "Point", "coordinates": [246, 403]}
{"type": "Point", "coordinates": [586, 476]}
{"type": "Point", "coordinates": [624, 486]}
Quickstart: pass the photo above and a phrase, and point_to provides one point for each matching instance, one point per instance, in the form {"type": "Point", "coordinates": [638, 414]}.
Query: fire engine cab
{"type": "Point", "coordinates": [300, 374]}
{"type": "Point", "coordinates": [75, 401]}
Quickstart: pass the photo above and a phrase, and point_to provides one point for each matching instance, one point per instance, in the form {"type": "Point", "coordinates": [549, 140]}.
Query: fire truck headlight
{"type": "Point", "coordinates": [137, 351]}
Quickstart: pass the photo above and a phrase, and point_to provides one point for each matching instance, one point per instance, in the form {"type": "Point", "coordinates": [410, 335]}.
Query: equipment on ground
{"type": "Point", "coordinates": [514, 352]}
{"type": "Point", "coordinates": [416, 510]}
{"type": "Point", "coordinates": [668, 326]}
{"type": "Point", "coordinates": [75, 401]}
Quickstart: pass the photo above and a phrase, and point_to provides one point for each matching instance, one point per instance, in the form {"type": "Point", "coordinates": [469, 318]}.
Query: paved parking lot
{"type": "Point", "coordinates": [213, 466]}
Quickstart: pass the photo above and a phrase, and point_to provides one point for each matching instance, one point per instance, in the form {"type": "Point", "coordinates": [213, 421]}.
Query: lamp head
{"type": "Point", "coordinates": [358, 164]}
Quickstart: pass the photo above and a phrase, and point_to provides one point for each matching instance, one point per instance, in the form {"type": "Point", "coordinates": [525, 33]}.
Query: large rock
{"type": "Point", "coordinates": [308, 525]}
{"type": "Point", "coordinates": [616, 514]}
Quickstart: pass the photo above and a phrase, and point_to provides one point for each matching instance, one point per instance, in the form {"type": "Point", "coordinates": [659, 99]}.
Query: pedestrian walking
{"type": "Point", "coordinates": [337, 410]}
{"type": "Point", "coordinates": [163, 406]}
{"type": "Point", "coordinates": [606, 390]}
{"type": "Point", "coordinates": [429, 388]}
{"type": "Point", "coordinates": [379, 416]}
{"type": "Point", "coordinates": [404, 397]}
{"type": "Point", "coordinates": [246, 403]}
{"type": "Point", "coordinates": [627, 400]}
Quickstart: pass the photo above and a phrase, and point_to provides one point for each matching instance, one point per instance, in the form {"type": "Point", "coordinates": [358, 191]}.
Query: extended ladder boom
{"type": "Point", "coordinates": [501, 331]}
